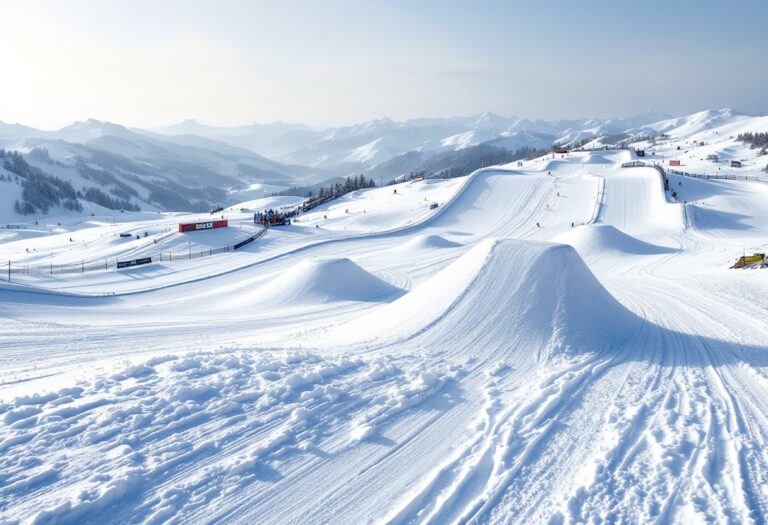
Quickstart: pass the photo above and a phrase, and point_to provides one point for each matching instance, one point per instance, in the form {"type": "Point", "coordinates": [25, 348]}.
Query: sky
{"type": "Point", "coordinates": [230, 62]}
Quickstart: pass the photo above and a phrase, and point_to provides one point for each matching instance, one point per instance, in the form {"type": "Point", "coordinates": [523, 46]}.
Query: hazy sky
{"type": "Point", "coordinates": [152, 63]}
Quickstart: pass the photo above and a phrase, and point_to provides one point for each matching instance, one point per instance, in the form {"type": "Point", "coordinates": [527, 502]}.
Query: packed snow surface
{"type": "Point", "coordinates": [598, 238]}
{"type": "Point", "coordinates": [425, 242]}
{"type": "Point", "coordinates": [313, 281]}
{"type": "Point", "coordinates": [558, 342]}
{"type": "Point", "coordinates": [478, 294]}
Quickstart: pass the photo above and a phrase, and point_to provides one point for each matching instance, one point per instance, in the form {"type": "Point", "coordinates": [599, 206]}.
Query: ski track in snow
{"type": "Point", "coordinates": [466, 373]}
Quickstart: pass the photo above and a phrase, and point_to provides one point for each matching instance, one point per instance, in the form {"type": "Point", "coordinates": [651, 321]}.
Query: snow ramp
{"type": "Point", "coordinates": [597, 158]}
{"type": "Point", "coordinates": [634, 201]}
{"type": "Point", "coordinates": [600, 239]}
{"type": "Point", "coordinates": [510, 299]}
{"type": "Point", "coordinates": [425, 242]}
{"type": "Point", "coordinates": [318, 281]}
{"type": "Point", "coordinates": [505, 204]}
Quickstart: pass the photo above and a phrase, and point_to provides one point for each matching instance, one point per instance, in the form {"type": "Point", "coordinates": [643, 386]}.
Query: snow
{"type": "Point", "coordinates": [322, 281]}
{"type": "Point", "coordinates": [561, 342]}
{"type": "Point", "coordinates": [691, 125]}
{"type": "Point", "coordinates": [266, 203]}
{"type": "Point", "coordinates": [379, 140]}
{"type": "Point", "coordinates": [426, 242]}
{"type": "Point", "coordinates": [391, 207]}
{"type": "Point", "coordinates": [253, 193]}
{"type": "Point", "coordinates": [475, 295]}
{"type": "Point", "coordinates": [364, 153]}
{"type": "Point", "coordinates": [604, 238]}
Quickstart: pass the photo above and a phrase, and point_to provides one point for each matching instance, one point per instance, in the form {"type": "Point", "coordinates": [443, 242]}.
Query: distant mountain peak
{"type": "Point", "coordinates": [83, 131]}
{"type": "Point", "coordinates": [91, 123]}
{"type": "Point", "coordinates": [489, 116]}
{"type": "Point", "coordinates": [382, 120]}
{"type": "Point", "coordinates": [730, 112]}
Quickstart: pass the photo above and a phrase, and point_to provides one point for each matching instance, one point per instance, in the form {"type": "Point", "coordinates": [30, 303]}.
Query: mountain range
{"type": "Point", "coordinates": [371, 143]}
{"type": "Point", "coordinates": [195, 166]}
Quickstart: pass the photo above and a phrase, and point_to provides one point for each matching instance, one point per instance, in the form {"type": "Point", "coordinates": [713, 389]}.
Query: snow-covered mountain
{"type": "Point", "coordinates": [273, 140]}
{"type": "Point", "coordinates": [126, 168]}
{"type": "Point", "coordinates": [141, 145]}
{"type": "Point", "coordinates": [16, 130]}
{"type": "Point", "coordinates": [362, 146]}
{"type": "Point", "coordinates": [192, 165]}
{"type": "Point", "coordinates": [689, 125]}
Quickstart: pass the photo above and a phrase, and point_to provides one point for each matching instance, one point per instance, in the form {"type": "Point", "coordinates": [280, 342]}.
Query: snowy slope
{"type": "Point", "coordinates": [150, 171]}
{"type": "Point", "coordinates": [177, 169]}
{"type": "Point", "coordinates": [557, 342]}
{"type": "Point", "coordinates": [697, 122]}
{"type": "Point", "coordinates": [272, 140]}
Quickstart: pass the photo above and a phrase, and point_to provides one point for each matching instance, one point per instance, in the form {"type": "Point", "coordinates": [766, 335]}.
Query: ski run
{"type": "Point", "coordinates": [556, 341]}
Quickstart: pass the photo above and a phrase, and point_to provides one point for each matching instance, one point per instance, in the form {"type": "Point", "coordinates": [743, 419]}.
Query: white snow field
{"type": "Point", "coordinates": [379, 361]}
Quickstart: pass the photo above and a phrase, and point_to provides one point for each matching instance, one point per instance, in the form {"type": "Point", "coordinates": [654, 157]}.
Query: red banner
{"type": "Point", "coordinates": [197, 226]}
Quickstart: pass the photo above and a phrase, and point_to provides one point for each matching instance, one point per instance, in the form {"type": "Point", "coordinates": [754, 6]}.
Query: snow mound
{"type": "Point", "coordinates": [526, 298]}
{"type": "Point", "coordinates": [601, 238]}
{"type": "Point", "coordinates": [325, 280]}
{"type": "Point", "coordinates": [425, 242]}
{"type": "Point", "coordinates": [596, 158]}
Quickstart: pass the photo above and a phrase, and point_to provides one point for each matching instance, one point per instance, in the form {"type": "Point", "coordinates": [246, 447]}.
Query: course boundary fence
{"type": "Point", "coordinates": [719, 176]}
{"type": "Point", "coordinates": [116, 263]}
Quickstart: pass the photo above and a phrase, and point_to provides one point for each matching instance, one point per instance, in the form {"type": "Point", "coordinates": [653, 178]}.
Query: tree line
{"type": "Point", "coordinates": [334, 191]}
{"type": "Point", "coordinates": [338, 189]}
{"type": "Point", "coordinates": [40, 191]}
{"type": "Point", "coordinates": [464, 161]}
{"type": "Point", "coordinates": [755, 140]}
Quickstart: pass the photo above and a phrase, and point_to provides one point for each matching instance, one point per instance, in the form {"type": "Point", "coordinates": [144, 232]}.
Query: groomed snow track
{"type": "Point", "coordinates": [468, 369]}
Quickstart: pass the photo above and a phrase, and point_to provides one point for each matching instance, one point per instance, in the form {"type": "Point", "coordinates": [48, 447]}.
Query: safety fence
{"type": "Point", "coordinates": [658, 167]}
{"type": "Point", "coordinates": [115, 263]}
{"type": "Point", "coordinates": [663, 175]}
{"type": "Point", "coordinates": [604, 147]}
{"type": "Point", "coordinates": [719, 176]}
